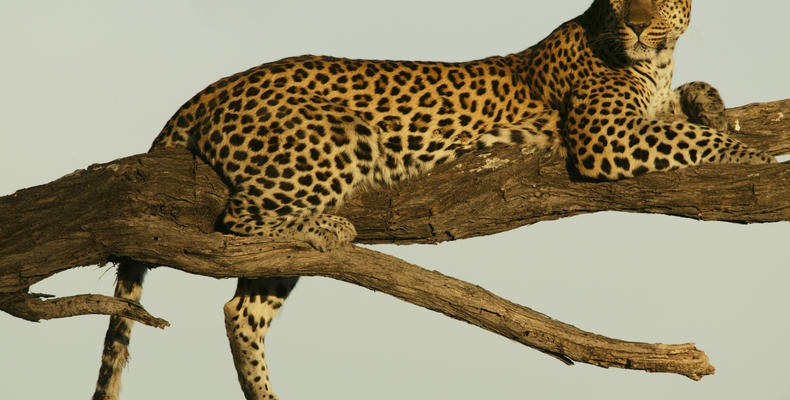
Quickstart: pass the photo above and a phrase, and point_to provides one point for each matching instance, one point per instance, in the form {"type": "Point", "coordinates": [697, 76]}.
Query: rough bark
{"type": "Point", "coordinates": [31, 307]}
{"type": "Point", "coordinates": [161, 209]}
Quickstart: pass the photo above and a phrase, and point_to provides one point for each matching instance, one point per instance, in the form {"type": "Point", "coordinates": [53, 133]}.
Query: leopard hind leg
{"type": "Point", "coordinates": [249, 313]}
{"type": "Point", "coordinates": [247, 215]}
{"type": "Point", "coordinates": [248, 316]}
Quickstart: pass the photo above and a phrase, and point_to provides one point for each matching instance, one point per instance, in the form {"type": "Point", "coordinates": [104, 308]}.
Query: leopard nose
{"type": "Point", "coordinates": [639, 15]}
{"type": "Point", "coordinates": [638, 28]}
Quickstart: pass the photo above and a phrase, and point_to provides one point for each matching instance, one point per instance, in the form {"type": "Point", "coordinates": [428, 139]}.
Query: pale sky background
{"type": "Point", "coordinates": [83, 82]}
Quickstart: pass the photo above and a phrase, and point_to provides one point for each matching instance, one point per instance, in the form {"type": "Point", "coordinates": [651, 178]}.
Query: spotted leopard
{"type": "Point", "coordinates": [296, 136]}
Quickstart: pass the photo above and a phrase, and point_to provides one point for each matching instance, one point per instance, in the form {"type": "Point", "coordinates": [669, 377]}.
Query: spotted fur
{"type": "Point", "coordinates": [294, 137]}
{"type": "Point", "coordinates": [115, 352]}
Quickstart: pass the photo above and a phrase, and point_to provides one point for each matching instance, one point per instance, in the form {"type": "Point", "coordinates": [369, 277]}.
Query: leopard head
{"type": "Point", "coordinates": [640, 28]}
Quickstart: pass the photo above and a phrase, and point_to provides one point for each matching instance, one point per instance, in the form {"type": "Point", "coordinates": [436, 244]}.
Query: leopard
{"type": "Point", "coordinates": [293, 138]}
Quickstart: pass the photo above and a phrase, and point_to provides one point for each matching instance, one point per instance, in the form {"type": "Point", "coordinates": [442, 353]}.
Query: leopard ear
{"type": "Point", "coordinates": [615, 9]}
{"type": "Point", "coordinates": [677, 12]}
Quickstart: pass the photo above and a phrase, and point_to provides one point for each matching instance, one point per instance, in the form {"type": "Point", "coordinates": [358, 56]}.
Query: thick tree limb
{"type": "Point", "coordinates": [160, 208]}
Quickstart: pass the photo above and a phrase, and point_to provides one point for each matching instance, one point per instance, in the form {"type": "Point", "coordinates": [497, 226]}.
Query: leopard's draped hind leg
{"type": "Point", "coordinates": [256, 302]}
{"type": "Point", "coordinates": [248, 316]}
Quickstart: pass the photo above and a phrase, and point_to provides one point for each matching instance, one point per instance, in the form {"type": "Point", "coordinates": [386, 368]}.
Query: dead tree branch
{"type": "Point", "coordinates": [31, 307]}
{"type": "Point", "coordinates": [161, 208]}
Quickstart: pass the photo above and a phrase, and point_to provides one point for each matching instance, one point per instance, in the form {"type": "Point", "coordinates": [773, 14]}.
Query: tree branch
{"type": "Point", "coordinates": [161, 208]}
{"type": "Point", "coordinates": [31, 307]}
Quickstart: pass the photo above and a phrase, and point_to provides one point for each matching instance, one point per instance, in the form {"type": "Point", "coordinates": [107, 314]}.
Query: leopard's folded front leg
{"type": "Point", "coordinates": [614, 139]}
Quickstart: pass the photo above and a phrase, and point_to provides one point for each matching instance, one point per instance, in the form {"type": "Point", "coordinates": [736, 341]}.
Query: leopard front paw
{"type": "Point", "coordinates": [703, 105]}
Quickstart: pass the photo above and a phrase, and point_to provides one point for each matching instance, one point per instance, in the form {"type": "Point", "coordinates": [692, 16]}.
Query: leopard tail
{"type": "Point", "coordinates": [116, 343]}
